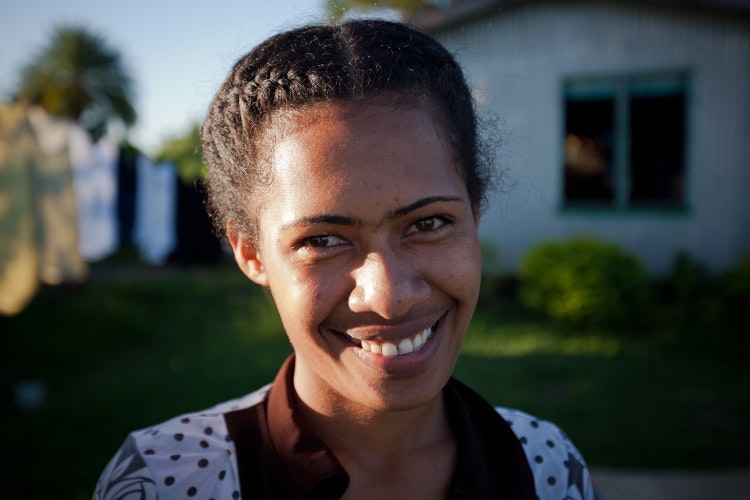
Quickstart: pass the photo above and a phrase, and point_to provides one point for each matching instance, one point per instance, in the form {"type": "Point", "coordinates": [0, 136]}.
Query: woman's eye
{"type": "Point", "coordinates": [322, 241]}
{"type": "Point", "coordinates": [427, 225]}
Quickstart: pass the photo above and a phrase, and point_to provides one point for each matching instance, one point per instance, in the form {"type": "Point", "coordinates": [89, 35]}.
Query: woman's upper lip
{"type": "Point", "coordinates": [389, 332]}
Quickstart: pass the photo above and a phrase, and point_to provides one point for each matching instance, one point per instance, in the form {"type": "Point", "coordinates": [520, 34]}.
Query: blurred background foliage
{"type": "Point", "coordinates": [337, 9]}
{"type": "Point", "coordinates": [584, 281]}
{"type": "Point", "coordinates": [185, 153]}
{"type": "Point", "coordinates": [78, 75]}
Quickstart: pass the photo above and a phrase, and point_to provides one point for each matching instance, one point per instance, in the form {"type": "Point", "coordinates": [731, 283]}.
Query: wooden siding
{"type": "Point", "coordinates": [517, 61]}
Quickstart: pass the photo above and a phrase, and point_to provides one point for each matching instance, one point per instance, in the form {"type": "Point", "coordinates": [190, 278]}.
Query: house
{"type": "Point", "coordinates": [627, 121]}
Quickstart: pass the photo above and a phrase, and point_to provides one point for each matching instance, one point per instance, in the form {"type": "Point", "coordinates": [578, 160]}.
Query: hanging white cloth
{"type": "Point", "coordinates": [56, 215]}
{"type": "Point", "coordinates": [155, 228]}
{"type": "Point", "coordinates": [18, 253]}
{"type": "Point", "coordinates": [95, 184]}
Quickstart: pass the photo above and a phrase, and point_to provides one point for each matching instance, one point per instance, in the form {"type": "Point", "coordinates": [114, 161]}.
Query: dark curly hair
{"type": "Point", "coordinates": [362, 61]}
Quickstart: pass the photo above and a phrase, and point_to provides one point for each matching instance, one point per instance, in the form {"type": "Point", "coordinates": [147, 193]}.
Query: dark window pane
{"type": "Point", "coordinates": [589, 126]}
{"type": "Point", "coordinates": [657, 149]}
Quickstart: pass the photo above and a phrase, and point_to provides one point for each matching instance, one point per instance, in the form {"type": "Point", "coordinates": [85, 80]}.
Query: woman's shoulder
{"type": "Point", "coordinates": [558, 467]}
{"type": "Point", "coordinates": [185, 456]}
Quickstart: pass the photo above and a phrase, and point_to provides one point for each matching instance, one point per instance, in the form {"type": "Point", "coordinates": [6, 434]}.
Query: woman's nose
{"type": "Point", "coordinates": [387, 286]}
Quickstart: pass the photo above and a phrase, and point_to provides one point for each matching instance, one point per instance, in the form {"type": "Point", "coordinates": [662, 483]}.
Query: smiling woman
{"type": "Point", "coordinates": [343, 169]}
{"type": "Point", "coordinates": [361, 263]}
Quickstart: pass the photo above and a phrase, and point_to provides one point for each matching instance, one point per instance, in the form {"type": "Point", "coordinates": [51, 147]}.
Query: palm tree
{"type": "Point", "coordinates": [79, 76]}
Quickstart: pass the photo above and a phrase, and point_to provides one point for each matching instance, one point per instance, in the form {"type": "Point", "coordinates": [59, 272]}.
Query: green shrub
{"type": "Point", "coordinates": [585, 282]}
{"type": "Point", "coordinates": [736, 294]}
{"type": "Point", "coordinates": [689, 295]}
{"type": "Point", "coordinates": [687, 280]}
{"type": "Point", "coordinates": [737, 281]}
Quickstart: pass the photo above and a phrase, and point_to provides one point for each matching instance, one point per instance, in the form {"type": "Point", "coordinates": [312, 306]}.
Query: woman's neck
{"type": "Point", "coordinates": [389, 454]}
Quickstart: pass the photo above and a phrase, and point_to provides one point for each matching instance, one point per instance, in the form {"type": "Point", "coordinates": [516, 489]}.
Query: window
{"type": "Point", "coordinates": [625, 143]}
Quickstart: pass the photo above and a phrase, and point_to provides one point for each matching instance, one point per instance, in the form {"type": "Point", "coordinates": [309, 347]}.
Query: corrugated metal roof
{"type": "Point", "coordinates": [438, 19]}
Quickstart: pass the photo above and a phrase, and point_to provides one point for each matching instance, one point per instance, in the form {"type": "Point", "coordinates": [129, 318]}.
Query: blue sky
{"type": "Point", "coordinates": [178, 52]}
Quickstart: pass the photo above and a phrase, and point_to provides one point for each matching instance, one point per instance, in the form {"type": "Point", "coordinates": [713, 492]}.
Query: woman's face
{"type": "Point", "coordinates": [368, 243]}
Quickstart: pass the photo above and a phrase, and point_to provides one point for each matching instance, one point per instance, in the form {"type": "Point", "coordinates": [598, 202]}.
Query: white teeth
{"type": "Point", "coordinates": [389, 349]}
{"type": "Point", "coordinates": [405, 346]}
{"type": "Point", "coordinates": [418, 341]}
{"type": "Point", "coordinates": [371, 346]}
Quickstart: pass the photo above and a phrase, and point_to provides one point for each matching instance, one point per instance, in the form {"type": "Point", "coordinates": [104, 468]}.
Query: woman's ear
{"type": "Point", "coordinates": [247, 256]}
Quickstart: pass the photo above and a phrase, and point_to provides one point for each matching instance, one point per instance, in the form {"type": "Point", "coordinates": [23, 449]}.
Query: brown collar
{"type": "Point", "coordinates": [279, 456]}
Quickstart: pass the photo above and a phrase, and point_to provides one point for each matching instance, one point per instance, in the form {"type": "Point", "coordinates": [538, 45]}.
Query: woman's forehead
{"type": "Point", "coordinates": [351, 159]}
{"type": "Point", "coordinates": [288, 120]}
{"type": "Point", "coordinates": [341, 136]}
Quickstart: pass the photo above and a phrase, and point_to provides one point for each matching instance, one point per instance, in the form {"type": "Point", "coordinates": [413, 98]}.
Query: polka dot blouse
{"type": "Point", "coordinates": [192, 457]}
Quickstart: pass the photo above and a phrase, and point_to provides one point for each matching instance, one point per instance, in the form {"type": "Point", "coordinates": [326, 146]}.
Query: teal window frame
{"type": "Point", "coordinates": [608, 164]}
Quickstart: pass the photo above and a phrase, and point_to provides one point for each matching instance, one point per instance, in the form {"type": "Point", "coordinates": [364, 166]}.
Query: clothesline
{"type": "Point", "coordinates": [63, 205]}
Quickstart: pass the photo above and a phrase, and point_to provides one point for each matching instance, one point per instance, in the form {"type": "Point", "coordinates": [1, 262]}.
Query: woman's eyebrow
{"type": "Point", "coordinates": [338, 220]}
{"type": "Point", "coordinates": [343, 220]}
{"type": "Point", "coordinates": [400, 212]}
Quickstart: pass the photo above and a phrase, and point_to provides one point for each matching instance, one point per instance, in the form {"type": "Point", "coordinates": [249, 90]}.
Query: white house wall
{"type": "Point", "coordinates": [517, 60]}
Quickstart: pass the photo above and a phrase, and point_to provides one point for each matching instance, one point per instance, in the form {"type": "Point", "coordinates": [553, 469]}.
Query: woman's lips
{"type": "Point", "coordinates": [390, 344]}
{"type": "Point", "coordinates": [398, 348]}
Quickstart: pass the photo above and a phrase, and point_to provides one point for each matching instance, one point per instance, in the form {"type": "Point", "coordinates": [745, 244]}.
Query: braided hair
{"type": "Point", "coordinates": [361, 60]}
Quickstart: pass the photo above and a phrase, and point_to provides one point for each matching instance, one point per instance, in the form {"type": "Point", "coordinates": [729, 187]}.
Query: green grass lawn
{"type": "Point", "coordinates": [136, 348]}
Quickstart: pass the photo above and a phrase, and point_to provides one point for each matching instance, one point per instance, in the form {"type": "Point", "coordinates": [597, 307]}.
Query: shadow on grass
{"type": "Point", "coordinates": [634, 412]}
{"type": "Point", "coordinates": [134, 348]}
